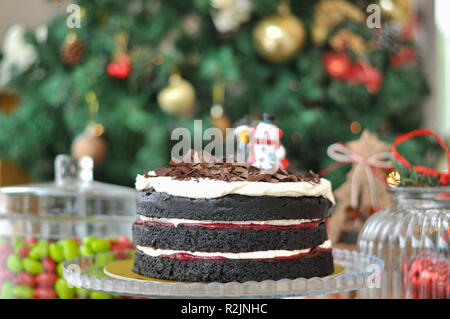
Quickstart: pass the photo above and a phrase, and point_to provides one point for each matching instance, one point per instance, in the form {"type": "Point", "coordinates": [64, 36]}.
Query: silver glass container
{"type": "Point", "coordinates": [42, 225]}
{"type": "Point", "coordinates": [72, 205]}
{"type": "Point", "coordinates": [412, 238]}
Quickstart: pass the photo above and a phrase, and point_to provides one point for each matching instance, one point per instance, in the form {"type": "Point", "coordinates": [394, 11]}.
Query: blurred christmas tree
{"type": "Point", "coordinates": [320, 69]}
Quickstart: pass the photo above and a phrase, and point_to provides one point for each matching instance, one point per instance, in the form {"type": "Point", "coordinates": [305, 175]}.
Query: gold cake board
{"type": "Point", "coordinates": [121, 269]}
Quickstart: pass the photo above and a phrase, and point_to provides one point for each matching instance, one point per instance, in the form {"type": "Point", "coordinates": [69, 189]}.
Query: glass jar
{"type": "Point", "coordinates": [42, 225]}
{"type": "Point", "coordinates": [412, 239]}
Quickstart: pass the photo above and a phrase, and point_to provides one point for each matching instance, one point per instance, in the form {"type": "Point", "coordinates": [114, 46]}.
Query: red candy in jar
{"type": "Point", "coordinates": [35, 269]}
{"type": "Point", "coordinates": [5, 274]}
{"type": "Point", "coordinates": [44, 293]}
{"type": "Point", "coordinates": [124, 240]}
{"type": "Point", "coordinates": [24, 251]}
{"type": "Point", "coordinates": [6, 249]}
{"type": "Point", "coordinates": [428, 278]}
{"type": "Point", "coordinates": [25, 279]}
{"type": "Point", "coordinates": [47, 279]}
{"type": "Point", "coordinates": [48, 264]}
{"type": "Point", "coordinates": [120, 250]}
{"type": "Point", "coordinates": [30, 240]}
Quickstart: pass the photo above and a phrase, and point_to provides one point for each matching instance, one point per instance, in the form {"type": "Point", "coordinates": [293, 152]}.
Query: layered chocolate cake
{"type": "Point", "coordinates": [231, 222]}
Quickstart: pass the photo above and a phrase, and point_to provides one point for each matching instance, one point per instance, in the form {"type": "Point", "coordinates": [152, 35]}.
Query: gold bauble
{"type": "Point", "coordinates": [8, 102]}
{"type": "Point", "coordinates": [222, 123]}
{"type": "Point", "coordinates": [178, 97]}
{"type": "Point", "coordinates": [346, 39]}
{"type": "Point", "coordinates": [279, 37]}
{"type": "Point", "coordinates": [397, 10]}
{"type": "Point", "coordinates": [329, 13]}
{"type": "Point", "coordinates": [90, 144]}
{"type": "Point", "coordinates": [393, 179]}
{"type": "Point", "coordinates": [12, 174]}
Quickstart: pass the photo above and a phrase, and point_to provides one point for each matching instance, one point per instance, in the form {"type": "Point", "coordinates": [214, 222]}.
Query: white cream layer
{"type": "Point", "coordinates": [210, 188]}
{"type": "Point", "coordinates": [155, 252]}
{"type": "Point", "coordinates": [276, 222]}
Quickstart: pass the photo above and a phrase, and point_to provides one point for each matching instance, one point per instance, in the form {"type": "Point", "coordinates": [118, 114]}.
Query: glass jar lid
{"type": "Point", "coordinates": [73, 192]}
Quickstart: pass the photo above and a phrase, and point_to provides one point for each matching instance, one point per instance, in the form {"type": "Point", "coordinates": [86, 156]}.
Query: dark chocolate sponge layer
{"type": "Point", "coordinates": [192, 238]}
{"type": "Point", "coordinates": [319, 264]}
{"type": "Point", "coordinates": [232, 207]}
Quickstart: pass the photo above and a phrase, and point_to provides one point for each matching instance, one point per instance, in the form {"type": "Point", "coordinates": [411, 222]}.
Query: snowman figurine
{"type": "Point", "coordinates": [262, 143]}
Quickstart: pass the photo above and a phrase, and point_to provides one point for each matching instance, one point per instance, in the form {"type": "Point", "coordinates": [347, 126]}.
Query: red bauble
{"type": "Point", "coordinates": [339, 66]}
{"type": "Point", "coordinates": [284, 162]}
{"type": "Point", "coordinates": [336, 64]}
{"type": "Point", "coordinates": [428, 278]}
{"type": "Point", "coordinates": [404, 56]}
{"type": "Point", "coordinates": [363, 72]}
{"type": "Point", "coordinates": [445, 179]}
{"type": "Point", "coordinates": [121, 68]}
{"type": "Point", "coordinates": [374, 81]}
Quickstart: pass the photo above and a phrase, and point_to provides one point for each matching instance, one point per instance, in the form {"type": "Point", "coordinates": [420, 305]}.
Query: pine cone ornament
{"type": "Point", "coordinates": [72, 51]}
{"type": "Point", "coordinates": [388, 37]}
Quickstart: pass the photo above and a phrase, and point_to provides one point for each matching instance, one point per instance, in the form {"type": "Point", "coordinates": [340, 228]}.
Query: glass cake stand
{"type": "Point", "coordinates": [359, 271]}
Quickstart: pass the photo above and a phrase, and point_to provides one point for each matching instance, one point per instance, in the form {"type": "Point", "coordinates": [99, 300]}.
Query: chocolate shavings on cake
{"type": "Point", "coordinates": [190, 167]}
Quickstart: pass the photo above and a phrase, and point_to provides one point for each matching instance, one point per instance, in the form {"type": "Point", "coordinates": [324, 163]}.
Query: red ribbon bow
{"type": "Point", "coordinates": [424, 170]}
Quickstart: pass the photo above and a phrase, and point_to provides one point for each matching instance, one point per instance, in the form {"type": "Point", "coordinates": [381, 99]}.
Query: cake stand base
{"type": "Point", "coordinates": [121, 269]}
{"type": "Point", "coordinates": [353, 271]}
